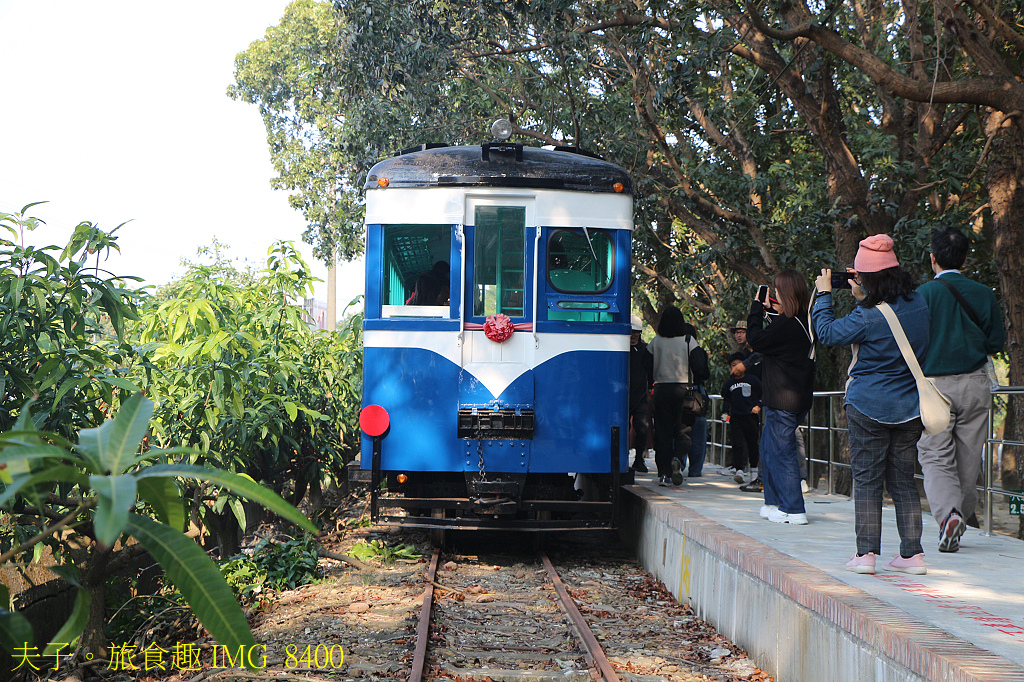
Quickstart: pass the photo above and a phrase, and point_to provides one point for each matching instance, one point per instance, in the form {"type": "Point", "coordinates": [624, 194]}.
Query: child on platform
{"type": "Point", "coordinates": [741, 395]}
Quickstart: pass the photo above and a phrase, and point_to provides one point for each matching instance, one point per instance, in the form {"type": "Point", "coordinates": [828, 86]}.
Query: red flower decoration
{"type": "Point", "coordinates": [498, 327]}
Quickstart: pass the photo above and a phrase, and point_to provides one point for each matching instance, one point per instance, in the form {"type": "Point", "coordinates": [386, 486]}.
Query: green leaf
{"type": "Point", "coordinates": [15, 631]}
{"type": "Point", "coordinates": [73, 626]}
{"type": "Point", "coordinates": [113, 444]}
{"type": "Point", "coordinates": [63, 472]}
{"type": "Point", "coordinates": [198, 579]}
{"type": "Point", "coordinates": [162, 494]}
{"type": "Point", "coordinates": [121, 382]}
{"type": "Point", "coordinates": [117, 496]}
{"type": "Point", "coordinates": [292, 410]}
{"type": "Point", "coordinates": [239, 484]}
{"type": "Point", "coordinates": [73, 382]}
{"type": "Point", "coordinates": [239, 511]}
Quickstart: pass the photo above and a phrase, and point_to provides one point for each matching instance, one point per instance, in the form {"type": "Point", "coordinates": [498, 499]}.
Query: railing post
{"type": "Point", "coordinates": [831, 442]}
{"type": "Point", "coordinates": [987, 453]}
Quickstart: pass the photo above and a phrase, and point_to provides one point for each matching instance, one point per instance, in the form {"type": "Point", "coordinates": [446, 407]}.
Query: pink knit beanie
{"type": "Point", "coordinates": [875, 253]}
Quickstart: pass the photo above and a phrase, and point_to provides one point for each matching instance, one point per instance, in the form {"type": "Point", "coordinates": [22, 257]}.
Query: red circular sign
{"type": "Point", "coordinates": [374, 420]}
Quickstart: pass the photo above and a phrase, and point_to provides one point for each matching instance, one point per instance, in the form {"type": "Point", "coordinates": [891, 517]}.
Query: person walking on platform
{"type": "Point", "coordinates": [787, 378]}
{"type": "Point", "coordinates": [641, 369]}
{"type": "Point", "coordinates": [882, 406]}
{"type": "Point", "coordinates": [966, 328]}
{"type": "Point", "coordinates": [741, 397]}
{"type": "Point", "coordinates": [672, 384]}
{"type": "Point", "coordinates": [698, 451]}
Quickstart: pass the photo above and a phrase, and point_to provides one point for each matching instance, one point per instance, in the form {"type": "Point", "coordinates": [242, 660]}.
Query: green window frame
{"type": "Point", "coordinates": [499, 261]}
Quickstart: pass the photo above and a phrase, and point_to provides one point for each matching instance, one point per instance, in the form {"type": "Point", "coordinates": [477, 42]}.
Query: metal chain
{"type": "Point", "coordinates": [480, 454]}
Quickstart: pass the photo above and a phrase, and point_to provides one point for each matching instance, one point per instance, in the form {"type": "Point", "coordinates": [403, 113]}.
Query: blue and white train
{"type": "Point", "coordinates": [496, 337]}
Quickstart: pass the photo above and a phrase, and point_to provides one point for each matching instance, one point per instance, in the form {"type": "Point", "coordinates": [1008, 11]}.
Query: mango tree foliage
{"type": "Point", "coordinates": [241, 377]}
{"type": "Point", "coordinates": [62, 328]}
{"type": "Point", "coordinates": [98, 487]}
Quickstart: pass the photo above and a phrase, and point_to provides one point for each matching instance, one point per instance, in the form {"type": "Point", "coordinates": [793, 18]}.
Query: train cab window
{"type": "Point", "coordinates": [499, 261]}
{"type": "Point", "coordinates": [580, 262]}
{"type": "Point", "coordinates": [416, 271]}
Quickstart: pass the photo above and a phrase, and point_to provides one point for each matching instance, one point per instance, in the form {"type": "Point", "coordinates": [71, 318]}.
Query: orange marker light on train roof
{"type": "Point", "coordinates": [383, 182]}
{"type": "Point", "coordinates": [618, 187]}
{"type": "Point", "coordinates": [402, 478]}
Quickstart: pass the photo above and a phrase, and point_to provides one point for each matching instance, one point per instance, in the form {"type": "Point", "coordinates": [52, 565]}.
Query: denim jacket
{"type": "Point", "coordinates": [881, 385]}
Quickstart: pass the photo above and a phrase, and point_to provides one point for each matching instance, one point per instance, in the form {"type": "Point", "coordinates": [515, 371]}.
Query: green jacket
{"type": "Point", "coordinates": [957, 345]}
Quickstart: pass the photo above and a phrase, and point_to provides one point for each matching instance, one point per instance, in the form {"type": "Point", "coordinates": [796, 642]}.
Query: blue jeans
{"type": "Point", "coordinates": [698, 446]}
{"type": "Point", "coordinates": [780, 460]}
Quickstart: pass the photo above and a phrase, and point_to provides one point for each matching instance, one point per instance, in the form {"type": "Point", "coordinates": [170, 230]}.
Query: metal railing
{"type": "Point", "coordinates": [821, 426]}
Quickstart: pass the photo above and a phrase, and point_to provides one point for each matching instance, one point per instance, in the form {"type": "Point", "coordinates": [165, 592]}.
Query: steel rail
{"type": "Point", "coordinates": [419, 657]}
{"type": "Point", "coordinates": [595, 654]}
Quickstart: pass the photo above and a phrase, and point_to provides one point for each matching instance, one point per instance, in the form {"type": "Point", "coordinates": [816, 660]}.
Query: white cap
{"type": "Point", "coordinates": [636, 323]}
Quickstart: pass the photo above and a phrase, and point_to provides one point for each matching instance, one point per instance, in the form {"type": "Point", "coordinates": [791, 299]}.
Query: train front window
{"type": "Point", "coordinates": [580, 261]}
{"type": "Point", "coordinates": [416, 274]}
{"type": "Point", "coordinates": [499, 261]}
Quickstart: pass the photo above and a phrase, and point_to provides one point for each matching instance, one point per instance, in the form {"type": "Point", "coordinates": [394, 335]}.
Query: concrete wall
{"type": "Point", "coordinates": [795, 621]}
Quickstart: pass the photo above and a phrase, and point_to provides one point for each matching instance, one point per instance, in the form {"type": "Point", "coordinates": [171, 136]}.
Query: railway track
{"type": "Point", "coordinates": [493, 613]}
{"type": "Point", "coordinates": [484, 622]}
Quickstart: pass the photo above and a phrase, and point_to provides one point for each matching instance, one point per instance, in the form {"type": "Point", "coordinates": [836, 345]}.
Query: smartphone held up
{"type": "Point", "coordinates": [765, 299]}
{"type": "Point", "coordinates": [843, 280]}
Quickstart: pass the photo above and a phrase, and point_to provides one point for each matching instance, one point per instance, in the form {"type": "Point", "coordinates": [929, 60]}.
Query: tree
{"type": "Point", "coordinates": [968, 54]}
{"type": "Point", "coordinates": [241, 378]}
{"type": "Point", "coordinates": [62, 328]}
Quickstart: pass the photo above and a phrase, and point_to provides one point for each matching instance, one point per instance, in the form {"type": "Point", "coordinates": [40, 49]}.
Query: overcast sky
{"type": "Point", "coordinates": [116, 111]}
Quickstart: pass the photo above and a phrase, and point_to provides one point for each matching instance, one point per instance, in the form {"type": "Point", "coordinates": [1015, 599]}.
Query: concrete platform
{"type": "Point", "coordinates": [783, 593]}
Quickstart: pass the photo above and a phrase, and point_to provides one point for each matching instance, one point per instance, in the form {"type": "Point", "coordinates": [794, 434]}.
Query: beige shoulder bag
{"type": "Point", "coordinates": [934, 405]}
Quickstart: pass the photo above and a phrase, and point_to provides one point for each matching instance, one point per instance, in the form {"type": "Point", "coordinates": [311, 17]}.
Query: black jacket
{"type": "Point", "coordinates": [787, 374]}
{"type": "Point", "coordinates": [641, 373]}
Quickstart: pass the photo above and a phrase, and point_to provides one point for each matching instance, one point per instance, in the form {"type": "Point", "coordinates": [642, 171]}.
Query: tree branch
{"type": "Point", "coordinates": [47, 532]}
{"type": "Point", "coordinates": [996, 91]}
{"type": "Point", "coordinates": [676, 290]}
{"type": "Point", "coordinates": [1002, 28]}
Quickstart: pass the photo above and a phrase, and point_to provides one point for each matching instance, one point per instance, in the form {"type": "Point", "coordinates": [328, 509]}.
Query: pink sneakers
{"type": "Point", "coordinates": [862, 564]}
{"type": "Point", "coordinates": [914, 565]}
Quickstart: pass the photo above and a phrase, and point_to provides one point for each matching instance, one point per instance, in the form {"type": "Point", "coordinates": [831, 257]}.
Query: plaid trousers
{"type": "Point", "coordinates": [884, 454]}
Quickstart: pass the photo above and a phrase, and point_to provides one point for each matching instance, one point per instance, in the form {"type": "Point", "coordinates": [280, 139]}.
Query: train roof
{"type": "Point", "coordinates": [500, 164]}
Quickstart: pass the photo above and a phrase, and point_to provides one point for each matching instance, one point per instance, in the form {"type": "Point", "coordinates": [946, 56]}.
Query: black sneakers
{"type": "Point", "coordinates": [949, 535]}
{"type": "Point", "coordinates": [754, 486]}
{"type": "Point", "coordinates": [639, 466]}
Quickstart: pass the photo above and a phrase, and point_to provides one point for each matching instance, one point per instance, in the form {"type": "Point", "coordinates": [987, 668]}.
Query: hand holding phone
{"type": "Point", "coordinates": [765, 299]}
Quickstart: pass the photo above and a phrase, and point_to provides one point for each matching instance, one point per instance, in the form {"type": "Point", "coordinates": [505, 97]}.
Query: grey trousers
{"type": "Point", "coordinates": [951, 460]}
{"type": "Point", "coordinates": [883, 455]}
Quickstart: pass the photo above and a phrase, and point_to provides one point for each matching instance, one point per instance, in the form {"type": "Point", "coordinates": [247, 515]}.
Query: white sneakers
{"type": "Point", "coordinates": [778, 516]}
{"type": "Point", "coordinates": [767, 509]}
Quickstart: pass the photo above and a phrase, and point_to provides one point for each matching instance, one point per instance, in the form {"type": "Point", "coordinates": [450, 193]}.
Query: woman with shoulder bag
{"type": "Point", "coordinates": [882, 405]}
{"type": "Point", "coordinates": [672, 388]}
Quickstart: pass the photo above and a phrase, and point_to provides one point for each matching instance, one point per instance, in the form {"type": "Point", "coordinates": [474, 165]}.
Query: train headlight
{"type": "Point", "coordinates": [618, 187]}
{"type": "Point", "coordinates": [382, 182]}
{"type": "Point", "coordinates": [402, 478]}
{"type": "Point", "coordinates": [501, 129]}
